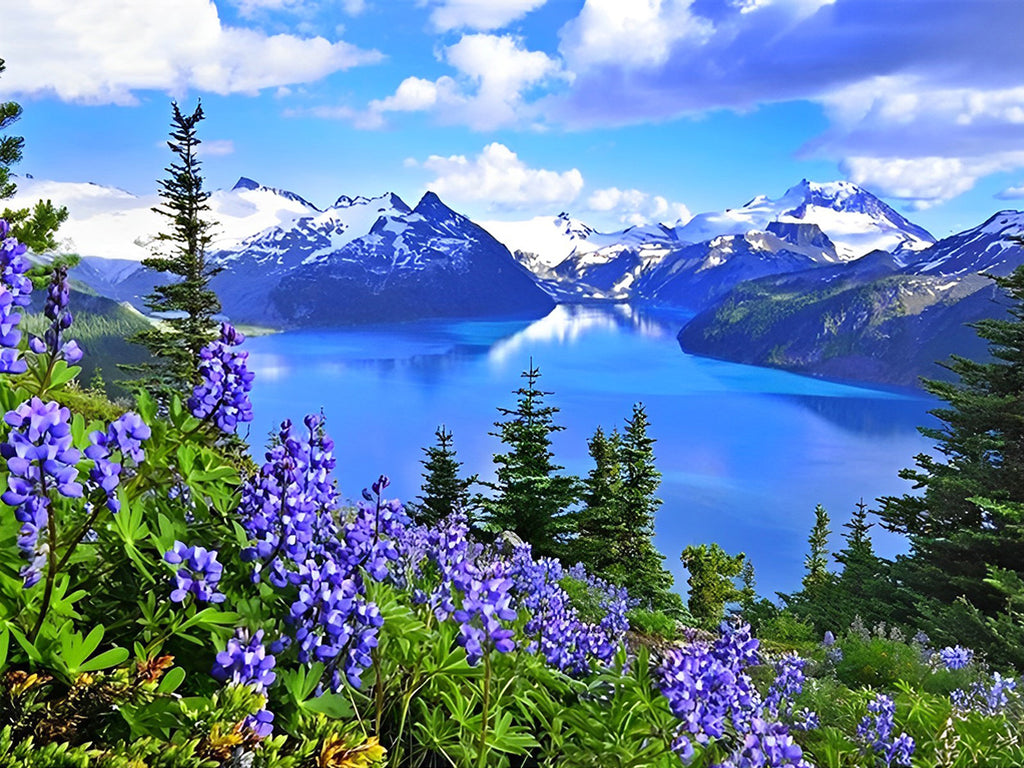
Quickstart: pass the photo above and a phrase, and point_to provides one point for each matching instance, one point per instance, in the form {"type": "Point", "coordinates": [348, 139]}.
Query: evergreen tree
{"type": "Point", "coordinates": [531, 498]}
{"type": "Point", "coordinates": [36, 226]}
{"type": "Point", "coordinates": [816, 563]}
{"type": "Point", "coordinates": [748, 592]}
{"type": "Point", "coordinates": [189, 302]}
{"type": "Point", "coordinates": [711, 581]}
{"type": "Point", "coordinates": [643, 565]}
{"type": "Point", "coordinates": [956, 537]}
{"type": "Point", "coordinates": [600, 529]}
{"type": "Point", "coordinates": [444, 492]}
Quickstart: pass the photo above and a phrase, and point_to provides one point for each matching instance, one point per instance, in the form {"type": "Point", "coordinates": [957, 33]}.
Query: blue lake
{"type": "Point", "coordinates": [745, 452]}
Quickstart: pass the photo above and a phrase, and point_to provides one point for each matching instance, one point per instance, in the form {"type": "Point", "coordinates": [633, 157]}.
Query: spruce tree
{"type": "Point", "coordinates": [600, 527]}
{"type": "Point", "coordinates": [643, 565]}
{"type": "Point", "coordinates": [955, 536]}
{"type": "Point", "coordinates": [443, 492]}
{"type": "Point", "coordinates": [531, 498]}
{"type": "Point", "coordinates": [816, 563]}
{"type": "Point", "coordinates": [181, 252]}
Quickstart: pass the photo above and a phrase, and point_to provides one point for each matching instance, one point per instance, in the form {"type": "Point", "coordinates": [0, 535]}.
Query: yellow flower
{"type": "Point", "coordinates": [336, 753]}
{"type": "Point", "coordinates": [219, 744]}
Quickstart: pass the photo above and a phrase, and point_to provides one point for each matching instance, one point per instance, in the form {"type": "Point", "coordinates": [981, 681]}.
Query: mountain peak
{"type": "Point", "coordinates": [244, 182]}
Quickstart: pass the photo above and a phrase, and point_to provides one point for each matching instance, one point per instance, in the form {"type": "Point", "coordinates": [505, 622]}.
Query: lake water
{"type": "Point", "coordinates": [745, 452]}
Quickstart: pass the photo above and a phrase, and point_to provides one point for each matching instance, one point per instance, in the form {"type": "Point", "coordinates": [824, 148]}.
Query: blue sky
{"type": "Point", "coordinates": [618, 111]}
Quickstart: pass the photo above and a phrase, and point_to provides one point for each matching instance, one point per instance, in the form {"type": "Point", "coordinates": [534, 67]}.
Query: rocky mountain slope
{"type": "Point", "coordinates": [875, 319]}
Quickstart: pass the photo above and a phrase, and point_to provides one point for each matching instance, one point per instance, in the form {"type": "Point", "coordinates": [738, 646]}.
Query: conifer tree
{"type": "Point", "coordinates": [531, 498]}
{"type": "Point", "coordinates": [188, 300]}
{"type": "Point", "coordinates": [644, 566]}
{"type": "Point", "coordinates": [816, 563]}
{"type": "Point", "coordinates": [600, 528]}
{"type": "Point", "coordinates": [955, 535]}
{"type": "Point", "coordinates": [443, 491]}
{"type": "Point", "coordinates": [712, 571]}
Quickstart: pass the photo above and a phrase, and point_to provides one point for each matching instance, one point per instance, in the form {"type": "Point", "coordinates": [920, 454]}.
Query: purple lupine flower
{"type": "Point", "coordinates": [245, 662]}
{"type": "Point", "coordinates": [287, 508]}
{"type": "Point", "coordinates": [40, 459]}
{"type": "Point", "coordinates": [788, 683]}
{"type": "Point", "coordinates": [58, 295]}
{"type": "Point", "coordinates": [829, 639]}
{"type": "Point", "coordinates": [486, 603]}
{"type": "Point", "coordinates": [768, 745]}
{"type": "Point", "coordinates": [15, 290]}
{"type": "Point", "coordinates": [554, 628]}
{"type": "Point", "coordinates": [224, 382]}
{"type": "Point", "coordinates": [198, 576]}
{"type": "Point", "coordinates": [956, 657]}
{"type": "Point", "coordinates": [875, 732]}
{"type": "Point", "coordinates": [986, 698]}
{"type": "Point", "coordinates": [125, 434]}
{"type": "Point", "coordinates": [806, 720]}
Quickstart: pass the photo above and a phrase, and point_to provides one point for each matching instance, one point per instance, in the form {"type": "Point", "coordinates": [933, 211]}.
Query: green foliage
{"type": "Point", "coordinates": [955, 538]}
{"type": "Point", "coordinates": [816, 573]}
{"type": "Point", "coordinates": [443, 491]}
{"type": "Point", "coordinates": [532, 500]}
{"type": "Point", "coordinates": [653, 623]}
{"type": "Point", "coordinates": [616, 525]}
{"type": "Point", "coordinates": [711, 581]}
{"type": "Point", "coordinates": [189, 302]}
{"type": "Point", "coordinates": [878, 662]}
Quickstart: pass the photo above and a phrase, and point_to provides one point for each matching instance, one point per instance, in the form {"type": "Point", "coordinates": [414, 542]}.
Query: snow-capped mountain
{"type": "Point", "coordinates": [854, 219]}
{"type": "Point", "coordinates": [288, 262]}
{"type": "Point", "coordinates": [422, 262]}
{"type": "Point", "coordinates": [876, 318]}
{"type": "Point", "coordinates": [988, 248]}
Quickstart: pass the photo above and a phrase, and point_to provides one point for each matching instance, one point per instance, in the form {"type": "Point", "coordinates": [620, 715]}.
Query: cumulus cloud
{"type": "Point", "coordinates": [500, 178]}
{"type": "Point", "coordinates": [480, 15]}
{"type": "Point", "coordinates": [636, 208]}
{"type": "Point", "coordinates": [926, 181]}
{"type": "Point", "coordinates": [933, 92]}
{"type": "Point", "coordinates": [494, 75]}
{"type": "Point", "coordinates": [638, 33]}
{"type": "Point", "coordinates": [103, 51]}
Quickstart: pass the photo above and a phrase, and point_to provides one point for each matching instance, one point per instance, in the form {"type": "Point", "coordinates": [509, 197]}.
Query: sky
{"type": "Point", "coordinates": [617, 111]}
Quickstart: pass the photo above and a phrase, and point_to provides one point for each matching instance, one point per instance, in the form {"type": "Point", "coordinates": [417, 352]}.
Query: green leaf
{"type": "Point", "coordinates": [334, 705]}
{"type": "Point", "coordinates": [105, 660]}
{"type": "Point", "coordinates": [171, 680]}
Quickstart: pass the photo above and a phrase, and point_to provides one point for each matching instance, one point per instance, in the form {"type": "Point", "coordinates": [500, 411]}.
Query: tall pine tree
{"type": "Point", "coordinates": [444, 492]}
{"type": "Point", "coordinates": [956, 537]}
{"type": "Point", "coordinates": [188, 301]}
{"type": "Point", "coordinates": [599, 523]}
{"type": "Point", "coordinates": [531, 498]}
{"type": "Point", "coordinates": [816, 573]}
{"type": "Point", "coordinates": [643, 565]}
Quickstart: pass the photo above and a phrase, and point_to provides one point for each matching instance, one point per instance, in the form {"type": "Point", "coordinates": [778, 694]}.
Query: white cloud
{"type": "Point", "coordinates": [494, 74]}
{"type": "Point", "coordinates": [634, 207]}
{"type": "Point", "coordinates": [102, 51]}
{"type": "Point", "coordinates": [926, 181]}
{"type": "Point", "coordinates": [637, 33]}
{"type": "Point", "coordinates": [499, 178]}
{"type": "Point", "coordinates": [481, 15]}
{"type": "Point", "coordinates": [1011, 193]}
{"type": "Point", "coordinates": [216, 147]}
